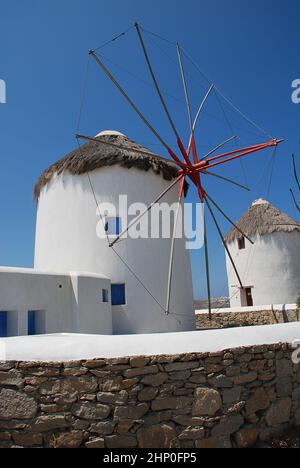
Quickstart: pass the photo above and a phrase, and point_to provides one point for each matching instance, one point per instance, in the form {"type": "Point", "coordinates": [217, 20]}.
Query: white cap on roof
{"type": "Point", "coordinates": [260, 201]}
{"type": "Point", "coordinates": [110, 132]}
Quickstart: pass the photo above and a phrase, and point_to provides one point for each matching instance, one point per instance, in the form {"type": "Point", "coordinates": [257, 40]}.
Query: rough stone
{"type": "Point", "coordinates": [127, 384]}
{"type": "Point", "coordinates": [125, 425]}
{"type": "Point", "coordinates": [103, 428]}
{"type": "Point", "coordinates": [75, 371]}
{"type": "Point", "coordinates": [279, 412]}
{"type": "Point", "coordinates": [192, 433]}
{"type": "Point", "coordinates": [27, 439]}
{"type": "Point", "coordinates": [284, 368]}
{"type": "Point", "coordinates": [221, 381]}
{"type": "Point", "coordinates": [284, 387]}
{"type": "Point", "coordinates": [131, 412]}
{"type": "Point", "coordinates": [120, 441]}
{"type": "Point", "coordinates": [246, 437]}
{"type": "Point", "coordinates": [258, 401]}
{"type": "Point", "coordinates": [207, 402]}
{"type": "Point", "coordinates": [191, 421]}
{"type": "Point", "coordinates": [139, 361]}
{"type": "Point", "coordinates": [49, 423]}
{"type": "Point", "coordinates": [95, 443]}
{"type": "Point", "coordinates": [53, 408]}
{"type": "Point", "coordinates": [147, 394]}
{"type": "Point", "coordinates": [214, 443]}
{"type": "Point", "coordinates": [159, 436]}
{"type": "Point", "coordinates": [7, 365]}
{"type": "Point", "coordinates": [233, 371]}
{"type": "Point", "coordinates": [198, 378]}
{"type": "Point", "coordinates": [95, 363]}
{"type": "Point", "coordinates": [35, 381]}
{"type": "Point", "coordinates": [71, 386]}
{"type": "Point", "coordinates": [297, 418]}
{"type": "Point", "coordinates": [44, 371]}
{"type": "Point", "coordinates": [232, 395]}
{"type": "Point", "coordinates": [12, 425]}
{"type": "Point", "coordinates": [179, 376]}
{"type": "Point", "coordinates": [16, 405]}
{"type": "Point", "coordinates": [113, 398]}
{"type": "Point", "coordinates": [11, 378]}
{"type": "Point", "coordinates": [243, 379]}
{"type": "Point", "coordinates": [135, 372]}
{"type": "Point", "coordinates": [166, 403]}
{"type": "Point", "coordinates": [155, 380]}
{"type": "Point", "coordinates": [181, 366]}
{"type": "Point", "coordinates": [68, 440]}
{"type": "Point", "coordinates": [80, 425]}
{"type": "Point", "coordinates": [228, 425]}
{"type": "Point", "coordinates": [112, 384]}
{"type": "Point", "coordinates": [88, 410]}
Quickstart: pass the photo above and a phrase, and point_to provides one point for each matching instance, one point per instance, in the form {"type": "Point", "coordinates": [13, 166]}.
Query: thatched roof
{"type": "Point", "coordinates": [263, 218]}
{"type": "Point", "coordinates": [93, 155]}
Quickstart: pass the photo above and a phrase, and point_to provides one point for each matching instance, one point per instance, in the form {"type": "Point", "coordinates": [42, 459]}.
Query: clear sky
{"type": "Point", "coordinates": [250, 49]}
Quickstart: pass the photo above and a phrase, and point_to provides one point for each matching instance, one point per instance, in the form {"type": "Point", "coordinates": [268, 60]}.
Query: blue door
{"type": "Point", "coordinates": [118, 296]}
{"type": "Point", "coordinates": [3, 324]}
{"type": "Point", "coordinates": [31, 323]}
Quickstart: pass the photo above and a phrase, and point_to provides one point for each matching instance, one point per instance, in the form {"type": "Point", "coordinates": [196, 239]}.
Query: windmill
{"type": "Point", "coordinates": [297, 182]}
{"type": "Point", "coordinates": [190, 166]}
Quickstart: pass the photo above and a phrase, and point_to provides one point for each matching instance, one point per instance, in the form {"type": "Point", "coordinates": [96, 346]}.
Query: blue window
{"type": "Point", "coordinates": [113, 226]}
{"type": "Point", "coordinates": [118, 296]}
{"type": "Point", "coordinates": [3, 324]}
{"type": "Point", "coordinates": [31, 323]}
{"type": "Point", "coordinates": [104, 295]}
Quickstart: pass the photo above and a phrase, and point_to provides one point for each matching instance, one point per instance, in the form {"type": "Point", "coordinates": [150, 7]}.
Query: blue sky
{"type": "Point", "coordinates": [249, 49]}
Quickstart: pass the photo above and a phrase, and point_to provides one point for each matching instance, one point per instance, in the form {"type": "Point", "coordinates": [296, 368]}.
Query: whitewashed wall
{"type": "Point", "coordinates": [66, 240]}
{"type": "Point", "coordinates": [271, 266]}
{"type": "Point", "coordinates": [67, 303]}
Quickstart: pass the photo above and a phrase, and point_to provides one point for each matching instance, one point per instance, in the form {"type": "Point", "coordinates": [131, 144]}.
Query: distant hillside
{"type": "Point", "coordinates": [217, 303]}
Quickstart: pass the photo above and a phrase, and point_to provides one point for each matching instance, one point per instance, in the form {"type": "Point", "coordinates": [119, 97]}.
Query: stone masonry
{"type": "Point", "coordinates": [229, 399]}
{"type": "Point", "coordinates": [245, 319]}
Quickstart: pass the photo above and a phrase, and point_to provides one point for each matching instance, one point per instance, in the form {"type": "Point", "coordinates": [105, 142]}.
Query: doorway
{"type": "Point", "coordinates": [247, 297]}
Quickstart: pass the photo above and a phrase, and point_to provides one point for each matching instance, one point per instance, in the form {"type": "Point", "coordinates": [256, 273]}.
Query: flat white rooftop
{"type": "Point", "coordinates": [68, 347]}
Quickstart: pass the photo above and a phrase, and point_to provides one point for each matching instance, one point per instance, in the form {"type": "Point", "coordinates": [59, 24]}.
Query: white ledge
{"type": "Point", "coordinates": [68, 347]}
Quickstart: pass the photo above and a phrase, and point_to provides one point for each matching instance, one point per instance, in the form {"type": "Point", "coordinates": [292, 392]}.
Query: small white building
{"type": "Point", "coordinates": [79, 284]}
{"type": "Point", "coordinates": [270, 268]}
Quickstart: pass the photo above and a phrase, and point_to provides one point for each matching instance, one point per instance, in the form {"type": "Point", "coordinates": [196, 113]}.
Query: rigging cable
{"type": "Point", "coordinates": [232, 132]}
{"type": "Point", "coordinates": [114, 39]}
{"type": "Point", "coordinates": [271, 171]}
{"type": "Point", "coordinates": [196, 81]}
{"type": "Point", "coordinates": [83, 93]}
{"type": "Point", "coordinates": [258, 127]}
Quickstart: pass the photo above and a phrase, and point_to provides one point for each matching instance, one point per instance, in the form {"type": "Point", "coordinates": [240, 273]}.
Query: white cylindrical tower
{"type": "Point", "coordinates": [66, 239]}
{"type": "Point", "coordinates": [270, 268]}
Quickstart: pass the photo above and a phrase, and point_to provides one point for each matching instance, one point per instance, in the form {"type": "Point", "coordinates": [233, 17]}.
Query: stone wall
{"type": "Point", "coordinates": [245, 319]}
{"type": "Point", "coordinates": [231, 398]}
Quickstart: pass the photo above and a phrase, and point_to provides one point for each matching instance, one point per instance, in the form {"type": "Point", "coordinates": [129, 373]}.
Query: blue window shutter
{"type": "Point", "coordinates": [31, 323]}
{"type": "Point", "coordinates": [118, 226]}
{"type": "Point", "coordinates": [118, 296]}
{"type": "Point", "coordinates": [3, 324]}
{"type": "Point", "coordinates": [113, 226]}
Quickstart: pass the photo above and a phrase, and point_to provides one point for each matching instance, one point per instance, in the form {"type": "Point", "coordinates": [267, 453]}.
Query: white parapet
{"type": "Point", "coordinates": [68, 347]}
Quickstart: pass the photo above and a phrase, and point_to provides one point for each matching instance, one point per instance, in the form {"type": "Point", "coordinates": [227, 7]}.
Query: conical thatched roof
{"type": "Point", "coordinates": [263, 218]}
{"type": "Point", "coordinates": [93, 156]}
